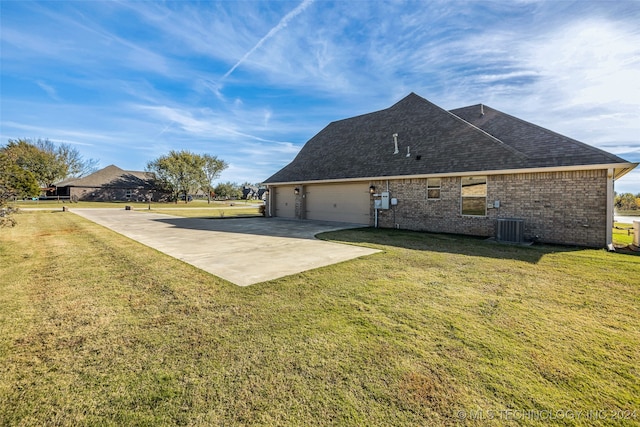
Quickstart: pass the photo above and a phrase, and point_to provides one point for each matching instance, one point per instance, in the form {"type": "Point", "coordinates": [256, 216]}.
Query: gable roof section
{"type": "Point", "coordinates": [363, 146]}
{"type": "Point", "coordinates": [439, 142]}
{"type": "Point", "coordinates": [543, 148]}
{"type": "Point", "coordinates": [111, 176]}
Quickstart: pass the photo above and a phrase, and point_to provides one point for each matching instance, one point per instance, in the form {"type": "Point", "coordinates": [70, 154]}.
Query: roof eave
{"type": "Point", "coordinates": [620, 169]}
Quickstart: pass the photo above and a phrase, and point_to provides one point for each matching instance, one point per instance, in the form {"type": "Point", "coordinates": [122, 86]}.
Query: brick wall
{"type": "Point", "coordinates": [557, 207]}
{"type": "Point", "coordinates": [301, 208]}
{"type": "Point", "coordinates": [111, 194]}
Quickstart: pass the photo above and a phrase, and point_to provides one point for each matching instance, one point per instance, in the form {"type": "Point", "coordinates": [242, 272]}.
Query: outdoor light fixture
{"type": "Point", "coordinates": [372, 189]}
{"type": "Point", "coordinates": [296, 191]}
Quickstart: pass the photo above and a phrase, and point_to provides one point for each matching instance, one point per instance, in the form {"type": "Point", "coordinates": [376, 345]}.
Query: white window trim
{"type": "Point", "coordinates": [439, 188]}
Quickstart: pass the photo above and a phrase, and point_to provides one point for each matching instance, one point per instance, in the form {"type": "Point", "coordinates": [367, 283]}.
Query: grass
{"type": "Point", "coordinates": [436, 330]}
{"type": "Point", "coordinates": [628, 213]}
{"type": "Point", "coordinates": [622, 234]}
{"type": "Point", "coordinates": [193, 209]}
{"type": "Point", "coordinates": [195, 204]}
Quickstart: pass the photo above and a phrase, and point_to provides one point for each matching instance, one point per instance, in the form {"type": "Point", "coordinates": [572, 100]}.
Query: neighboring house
{"type": "Point", "coordinates": [109, 184]}
{"type": "Point", "coordinates": [249, 192]}
{"type": "Point", "coordinates": [253, 193]}
{"type": "Point", "coordinates": [473, 170]}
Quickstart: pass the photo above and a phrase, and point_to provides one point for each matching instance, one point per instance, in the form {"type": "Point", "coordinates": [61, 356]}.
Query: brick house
{"type": "Point", "coordinates": [473, 170]}
{"type": "Point", "coordinates": [109, 184]}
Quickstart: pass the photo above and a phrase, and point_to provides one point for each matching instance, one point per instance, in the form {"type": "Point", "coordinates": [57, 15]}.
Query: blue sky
{"type": "Point", "coordinates": [251, 82]}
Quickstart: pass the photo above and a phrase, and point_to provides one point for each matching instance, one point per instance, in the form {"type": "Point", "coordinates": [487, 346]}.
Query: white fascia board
{"type": "Point", "coordinates": [619, 168]}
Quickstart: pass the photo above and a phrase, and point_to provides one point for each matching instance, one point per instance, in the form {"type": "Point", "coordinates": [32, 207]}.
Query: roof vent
{"type": "Point", "coordinates": [395, 143]}
{"type": "Point", "coordinates": [481, 110]}
{"type": "Point", "coordinates": [408, 151]}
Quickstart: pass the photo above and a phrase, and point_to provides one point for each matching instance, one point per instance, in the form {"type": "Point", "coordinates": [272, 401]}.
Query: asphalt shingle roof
{"type": "Point", "coordinates": [111, 176]}
{"type": "Point", "coordinates": [438, 141]}
{"type": "Point", "coordinates": [541, 146]}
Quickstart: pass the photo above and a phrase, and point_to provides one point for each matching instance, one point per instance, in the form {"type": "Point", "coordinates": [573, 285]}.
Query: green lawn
{"type": "Point", "coordinates": [195, 204]}
{"type": "Point", "coordinates": [193, 209]}
{"type": "Point", "coordinates": [622, 233]}
{"type": "Point", "coordinates": [628, 213]}
{"type": "Point", "coordinates": [435, 330]}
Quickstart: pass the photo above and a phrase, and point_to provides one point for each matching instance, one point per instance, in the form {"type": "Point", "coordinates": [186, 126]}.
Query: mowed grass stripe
{"type": "Point", "coordinates": [97, 329]}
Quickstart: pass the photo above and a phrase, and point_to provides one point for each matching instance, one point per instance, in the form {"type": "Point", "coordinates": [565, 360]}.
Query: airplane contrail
{"type": "Point", "coordinates": [283, 23]}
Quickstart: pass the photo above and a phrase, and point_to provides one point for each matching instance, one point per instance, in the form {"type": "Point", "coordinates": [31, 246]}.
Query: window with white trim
{"type": "Point", "coordinates": [474, 195]}
{"type": "Point", "coordinates": [433, 188]}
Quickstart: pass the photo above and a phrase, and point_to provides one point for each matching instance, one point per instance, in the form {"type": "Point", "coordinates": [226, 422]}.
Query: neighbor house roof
{"type": "Point", "coordinates": [433, 141]}
{"type": "Point", "coordinates": [111, 176]}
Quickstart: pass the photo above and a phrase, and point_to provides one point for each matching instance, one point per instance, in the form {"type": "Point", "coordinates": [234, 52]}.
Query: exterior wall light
{"type": "Point", "coordinates": [296, 191]}
{"type": "Point", "coordinates": [372, 189]}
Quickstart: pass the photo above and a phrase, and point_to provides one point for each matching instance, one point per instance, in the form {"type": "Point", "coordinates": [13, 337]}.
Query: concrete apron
{"type": "Point", "coordinates": [243, 251]}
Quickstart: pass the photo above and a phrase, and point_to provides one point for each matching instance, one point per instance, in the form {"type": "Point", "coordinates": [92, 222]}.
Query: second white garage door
{"type": "Point", "coordinates": [338, 202]}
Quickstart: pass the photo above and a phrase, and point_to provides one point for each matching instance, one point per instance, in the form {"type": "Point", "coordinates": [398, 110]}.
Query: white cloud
{"type": "Point", "coordinates": [50, 90]}
{"type": "Point", "coordinates": [53, 133]}
{"type": "Point", "coordinates": [588, 63]}
{"type": "Point", "coordinates": [272, 32]}
{"type": "Point", "coordinates": [291, 68]}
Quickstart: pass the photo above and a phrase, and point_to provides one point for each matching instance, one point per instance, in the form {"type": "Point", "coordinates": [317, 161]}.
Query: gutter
{"type": "Point", "coordinates": [620, 169]}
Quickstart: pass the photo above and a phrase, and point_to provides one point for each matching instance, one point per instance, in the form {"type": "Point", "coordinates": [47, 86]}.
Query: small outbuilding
{"type": "Point", "coordinates": [472, 170]}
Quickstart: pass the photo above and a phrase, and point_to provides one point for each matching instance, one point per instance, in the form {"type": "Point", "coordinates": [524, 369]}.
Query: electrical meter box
{"type": "Point", "coordinates": [384, 200]}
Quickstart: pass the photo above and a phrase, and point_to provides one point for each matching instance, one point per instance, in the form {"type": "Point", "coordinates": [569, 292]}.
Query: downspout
{"type": "Point", "coordinates": [271, 190]}
{"type": "Point", "coordinates": [610, 202]}
{"type": "Point", "coordinates": [376, 220]}
{"type": "Point", "coordinates": [303, 202]}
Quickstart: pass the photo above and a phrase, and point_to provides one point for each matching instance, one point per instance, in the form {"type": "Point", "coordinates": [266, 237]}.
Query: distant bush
{"type": "Point", "coordinates": [627, 202]}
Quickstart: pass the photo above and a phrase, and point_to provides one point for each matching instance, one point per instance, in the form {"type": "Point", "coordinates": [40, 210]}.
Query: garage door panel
{"type": "Point", "coordinates": [338, 202]}
{"type": "Point", "coordinates": [285, 202]}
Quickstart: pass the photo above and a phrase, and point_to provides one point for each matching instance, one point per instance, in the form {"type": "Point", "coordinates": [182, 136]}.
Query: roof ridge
{"type": "Point", "coordinates": [400, 101]}
{"type": "Point", "coordinates": [495, 139]}
{"type": "Point", "coordinates": [572, 140]}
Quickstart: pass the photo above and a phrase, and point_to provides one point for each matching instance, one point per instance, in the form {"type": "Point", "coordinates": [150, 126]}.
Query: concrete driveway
{"type": "Point", "coordinates": [243, 251]}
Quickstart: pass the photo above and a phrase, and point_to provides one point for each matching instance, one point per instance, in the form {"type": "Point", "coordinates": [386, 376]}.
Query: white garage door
{"type": "Point", "coordinates": [338, 202]}
{"type": "Point", "coordinates": [285, 202]}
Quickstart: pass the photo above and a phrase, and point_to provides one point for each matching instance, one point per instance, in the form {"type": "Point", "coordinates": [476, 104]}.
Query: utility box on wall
{"type": "Point", "coordinates": [384, 200]}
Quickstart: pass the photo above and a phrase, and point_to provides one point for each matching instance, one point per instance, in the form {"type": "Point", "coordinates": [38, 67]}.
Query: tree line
{"type": "Point", "coordinates": [627, 202]}
{"type": "Point", "coordinates": [47, 162]}
{"type": "Point", "coordinates": [28, 167]}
